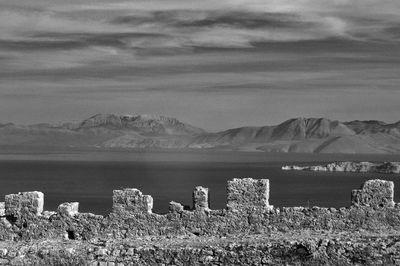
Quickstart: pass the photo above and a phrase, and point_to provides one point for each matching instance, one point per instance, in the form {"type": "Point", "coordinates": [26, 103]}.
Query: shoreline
{"type": "Point", "coordinates": [78, 154]}
{"type": "Point", "coordinates": [353, 167]}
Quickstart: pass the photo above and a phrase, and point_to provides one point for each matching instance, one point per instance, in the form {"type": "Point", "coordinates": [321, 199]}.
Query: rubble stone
{"type": "Point", "coordinates": [68, 209]}
{"type": "Point", "coordinates": [175, 207]}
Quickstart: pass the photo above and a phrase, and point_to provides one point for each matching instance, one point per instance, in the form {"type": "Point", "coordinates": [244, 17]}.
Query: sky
{"type": "Point", "coordinates": [215, 64]}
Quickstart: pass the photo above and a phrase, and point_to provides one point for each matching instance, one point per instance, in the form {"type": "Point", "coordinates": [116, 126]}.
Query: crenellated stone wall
{"type": "Point", "coordinates": [375, 194]}
{"type": "Point", "coordinates": [200, 198]}
{"type": "Point", "coordinates": [131, 200]}
{"type": "Point", "coordinates": [248, 195]}
{"type": "Point", "coordinates": [249, 231]}
{"type": "Point", "coordinates": [25, 204]}
{"type": "Point", "coordinates": [248, 211]}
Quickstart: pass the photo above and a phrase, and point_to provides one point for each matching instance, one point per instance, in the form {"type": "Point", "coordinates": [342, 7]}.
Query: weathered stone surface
{"type": "Point", "coordinates": [200, 198]}
{"type": "Point", "coordinates": [24, 204]}
{"type": "Point", "coordinates": [132, 200]}
{"type": "Point", "coordinates": [68, 209]}
{"type": "Point", "coordinates": [374, 193]}
{"type": "Point", "coordinates": [175, 207]}
{"type": "Point", "coordinates": [246, 213]}
{"type": "Point", "coordinates": [133, 234]}
{"type": "Point", "coordinates": [292, 248]}
{"type": "Point", "coordinates": [248, 193]}
{"type": "Point", "coordinates": [2, 208]}
{"type": "Point", "coordinates": [48, 214]}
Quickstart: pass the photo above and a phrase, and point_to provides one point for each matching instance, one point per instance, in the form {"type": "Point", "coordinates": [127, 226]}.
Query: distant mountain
{"type": "Point", "coordinates": [373, 126]}
{"type": "Point", "coordinates": [145, 124]}
{"type": "Point", "coordinates": [314, 135]}
{"type": "Point", "coordinates": [106, 131]}
{"type": "Point", "coordinates": [306, 128]}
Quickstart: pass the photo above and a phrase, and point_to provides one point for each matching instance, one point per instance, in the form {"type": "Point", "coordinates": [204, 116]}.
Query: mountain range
{"type": "Point", "coordinates": [110, 131]}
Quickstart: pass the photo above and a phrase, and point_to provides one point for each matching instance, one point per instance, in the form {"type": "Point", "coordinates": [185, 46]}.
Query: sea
{"type": "Point", "coordinates": [89, 177]}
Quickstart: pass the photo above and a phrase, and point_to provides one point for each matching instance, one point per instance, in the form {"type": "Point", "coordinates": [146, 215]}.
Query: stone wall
{"type": "Point", "coordinates": [248, 212]}
{"type": "Point", "coordinates": [296, 248]}
{"type": "Point", "coordinates": [375, 194]}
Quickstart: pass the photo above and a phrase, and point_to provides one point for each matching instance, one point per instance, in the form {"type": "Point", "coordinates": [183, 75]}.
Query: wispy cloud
{"type": "Point", "coordinates": [189, 46]}
{"type": "Point", "coordinates": [172, 27]}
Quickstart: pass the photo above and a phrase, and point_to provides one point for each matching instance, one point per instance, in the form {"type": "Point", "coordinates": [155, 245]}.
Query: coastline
{"type": "Point", "coordinates": [354, 167]}
{"type": "Point", "coordinates": [93, 154]}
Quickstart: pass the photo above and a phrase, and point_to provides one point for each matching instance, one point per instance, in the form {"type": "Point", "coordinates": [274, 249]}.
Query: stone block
{"type": "Point", "coordinates": [2, 209]}
{"type": "Point", "coordinates": [24, 204]}
{"type": "Point", "coordinates": [374, 193]}
{"type": "Point", "coordinates": [200, 198]}
{"type": "Point", "coordinates": [69, 209]}
{"type": "Point", "coordinates": [132, 200]}
{"type": "Point", "coordinates": [248, 193]}
{"type": "Point", "coordinates": [175, 207]}
{"type": "Point", "coordinates": [48, 214]}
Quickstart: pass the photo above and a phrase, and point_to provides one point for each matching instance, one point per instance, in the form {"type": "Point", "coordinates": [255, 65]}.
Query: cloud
{"type": "Point", "coordinates": [173, 47]}
{"type": "Point", "coordinates": [159, 26]}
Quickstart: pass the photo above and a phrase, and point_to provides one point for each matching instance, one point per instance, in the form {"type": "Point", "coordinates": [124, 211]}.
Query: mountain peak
{"type": "Point", "coordinates": [105, 120]}
{"type": "Point", "coordinates": [371, 126]}
{"type": "Point", "coordinates": [149, 131]}
{"type": "Point", "coordinates": [302, 128]}
{"type": "Point", "coordinates": [146, 123]}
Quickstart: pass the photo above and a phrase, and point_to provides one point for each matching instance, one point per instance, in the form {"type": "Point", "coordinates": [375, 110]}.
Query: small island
{"type": "Point", "coordinates": [355, 167]}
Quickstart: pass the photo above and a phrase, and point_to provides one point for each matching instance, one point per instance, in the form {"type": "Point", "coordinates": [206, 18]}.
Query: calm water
{"type": "Point", "coordinates": [173, 176]}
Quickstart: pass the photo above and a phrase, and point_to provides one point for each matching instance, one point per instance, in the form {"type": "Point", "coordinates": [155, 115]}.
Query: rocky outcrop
{"type": "Point", "coordinates": [356, 167]}
{"type": "Point", "coordinates": [249, 231]}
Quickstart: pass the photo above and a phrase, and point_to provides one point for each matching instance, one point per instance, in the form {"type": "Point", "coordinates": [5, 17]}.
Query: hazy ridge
{"type": "Point", "coordinates": [310, 135]}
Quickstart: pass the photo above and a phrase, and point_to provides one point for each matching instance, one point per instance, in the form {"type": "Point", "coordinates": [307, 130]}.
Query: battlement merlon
{"type": "Point", "coordinates": [201, 198]}
{"type": "Point", "coordinates": [24, 204]}
{"type": "Point", "coordinates": [248, 194]}
{"type": "Point", "coordinates": [69, 209]}
{"type": "Point", "coordinates": [244, 195]}
{"type": "Point", "coordinates": [132, 200]}
{"type": "Point", "coordinates": [375, 194]}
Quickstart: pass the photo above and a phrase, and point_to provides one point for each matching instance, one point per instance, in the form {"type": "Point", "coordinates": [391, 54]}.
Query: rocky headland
{"type": "Point", "coordinates": [249, 231]}
{"type": "Point", "coordinates": [355, 167]}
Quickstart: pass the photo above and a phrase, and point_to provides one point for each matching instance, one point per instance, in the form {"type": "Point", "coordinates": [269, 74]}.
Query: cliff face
{"type": "Point", "coordinates": [314, 135]}
{"type": "Point", "coordinates": [249, 231]}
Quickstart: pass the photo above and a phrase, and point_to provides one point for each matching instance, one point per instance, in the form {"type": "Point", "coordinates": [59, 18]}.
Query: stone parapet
{"type": "Point", "coordinates": [132, 200]}
{"type": "Point", "coordinates": [375, 194]}
{"type": "Point", "coordinates": [24, 204]}
{"type": "Point", "coordinates": [248, 193]}
{"type": "Point", "coordinates": [247, 212]}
